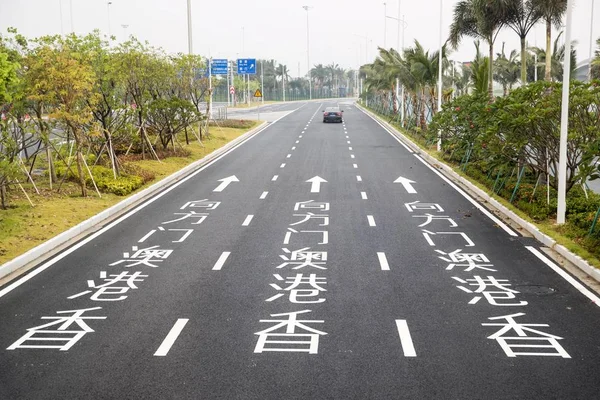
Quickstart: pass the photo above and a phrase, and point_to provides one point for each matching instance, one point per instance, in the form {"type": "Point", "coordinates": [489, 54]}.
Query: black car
{"type": "Point", "coordinates": [332, 114]}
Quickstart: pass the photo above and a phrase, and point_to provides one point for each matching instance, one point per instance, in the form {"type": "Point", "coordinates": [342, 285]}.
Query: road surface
{"type": "Point", "coordinates": [315, 261]}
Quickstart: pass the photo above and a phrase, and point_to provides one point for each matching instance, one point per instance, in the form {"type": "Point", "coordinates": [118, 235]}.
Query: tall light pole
{"type": "Point", "coordinates": [308, 69]}
{"type": "Point", "coordinates": [440, 80]}
{"type": "Point", "coordinates": [189, 26]}
{"type": "Point", "coordinates": [564, 123]}
{"type": "Point", "coordinates": [591, 39]}
{"type": "Point", "coordinates": [385, 25]}
{"type": "Point", "coordinates": [108, 3]}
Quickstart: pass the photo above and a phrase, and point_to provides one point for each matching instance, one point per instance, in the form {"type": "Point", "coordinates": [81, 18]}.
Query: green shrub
{"type": "Point", "coordinates": [234, 123]}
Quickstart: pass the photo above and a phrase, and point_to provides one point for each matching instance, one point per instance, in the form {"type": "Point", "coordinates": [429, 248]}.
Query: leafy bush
{"type": "Point", "coordinates": [121, 186]}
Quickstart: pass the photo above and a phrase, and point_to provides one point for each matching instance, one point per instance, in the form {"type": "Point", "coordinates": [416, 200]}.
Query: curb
{"type": "Point", "coordinates": [506, 213]}
{"type": "Point", "coordinates": [48, 249]}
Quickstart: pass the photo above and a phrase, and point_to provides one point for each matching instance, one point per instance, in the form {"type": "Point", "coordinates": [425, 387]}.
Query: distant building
{"type": "Point", "coordinates": [582, 71]}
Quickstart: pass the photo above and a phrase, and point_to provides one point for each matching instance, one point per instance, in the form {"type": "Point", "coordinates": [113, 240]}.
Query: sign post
{"type": "Point", "coordinates": [258, 94]}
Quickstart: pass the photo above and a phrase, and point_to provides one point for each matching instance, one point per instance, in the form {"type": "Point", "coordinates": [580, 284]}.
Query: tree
{"type": "Point", "coordinates": [480, 72]}
{"type": "Point", "coordinates": [556, 59]}
{"type": "Point", "coordinates": [479, 19]}
{"type": "Point", "coordinates": [523, 16]}
{"type": "Point", "coordinates": [550, 11]}
{"type": "Point", "coordinates": [507, 70]}
{"type": "Point", "coordinates": [68, 84]}
{"type": "Point", "coordinates": [596, 62]}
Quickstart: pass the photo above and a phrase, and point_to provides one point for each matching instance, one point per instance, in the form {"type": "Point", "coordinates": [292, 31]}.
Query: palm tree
{"type": "Point", "coordinates": [556, 58]}
{"type": "Point", "coordinates": [480, 72]}
{"type": "Point", "coordinates": [480, 19]}
{"type": "Point", "coordinates": [319, 74]}
{"type": "Point", "coordinates": [551, 11]}
{"type": "Point", "coordinates": [522, 18]}
{"type": "Point", "coordinates": [507, 70]}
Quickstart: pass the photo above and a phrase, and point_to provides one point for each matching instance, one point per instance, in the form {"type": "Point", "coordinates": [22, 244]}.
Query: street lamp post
{"type": "Point", "coordinates": [440, 81]}
{"type": "Point", "coordinates": [189, 23]}
{"type": "Point", "coordinates": [308, 69]}
{"type": "Point", "coordinates": [564, 123]}
{"type": "Point", "coordinates": [591, 39]}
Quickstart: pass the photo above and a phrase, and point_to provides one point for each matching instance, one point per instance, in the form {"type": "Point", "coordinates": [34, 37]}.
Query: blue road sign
{"type": "Point", "coordinates": [219, 67]}
{"type": "Point", "coordinates": [246, 65]}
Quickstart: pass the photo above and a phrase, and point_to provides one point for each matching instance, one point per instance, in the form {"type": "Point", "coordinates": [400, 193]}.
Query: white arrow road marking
{"type": "Point", "coordinates": [316, 184]}
{"type": "Point", "coordinates": [383, 261]}
{"type": "Point", "coordinates": [248, 220]}
{"type": "Point", "coordinates": [221, 261]}
{"type": "Point", "coordinates": [405, 339]}
{"type": "Point", "coordinates": [407, 183]}
{"type": "Point", "coordinates": [225, 182]}
{"type": "Point", "coordinates": [371, 220]}
{"type": "Point", "coordinates": [171, 337]}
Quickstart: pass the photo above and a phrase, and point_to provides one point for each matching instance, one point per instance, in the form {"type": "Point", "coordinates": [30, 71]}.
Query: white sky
{"type": "Point", "coordinates": [272, 28]}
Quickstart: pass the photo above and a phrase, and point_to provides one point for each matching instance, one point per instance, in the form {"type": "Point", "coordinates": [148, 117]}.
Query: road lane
{"type": "Point", "coordinates": [394, 322]}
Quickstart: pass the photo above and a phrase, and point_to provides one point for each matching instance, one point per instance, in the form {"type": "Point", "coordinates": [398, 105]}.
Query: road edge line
{"type": "Point", "coordinates": [445, 169]}
{"type": "Point", "coordinates": [39, 254]}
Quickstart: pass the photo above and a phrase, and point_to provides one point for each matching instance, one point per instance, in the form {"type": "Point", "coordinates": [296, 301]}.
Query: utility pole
{"type": "Point", "coordinates": [189, 23]}
{"type": "Point", "coordinates": [564, 123]}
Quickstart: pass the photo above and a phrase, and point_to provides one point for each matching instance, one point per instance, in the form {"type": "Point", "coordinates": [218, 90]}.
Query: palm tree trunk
{"type": "Point", "coordinates": [523, 63]}
{"type": "Point", "coordinates": [548, 75]}
{"type": "Point", "coordinates": [491, 77]}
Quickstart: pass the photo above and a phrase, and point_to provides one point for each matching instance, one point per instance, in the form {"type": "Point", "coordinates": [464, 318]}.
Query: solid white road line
{"type": "Point", "coordinates": [469, 198]}
{"type": "Point", "coordinates": [383, 262]}
{"type": "Point", "coordinates": [264, 195]}
{"type": "Point", "coordinates": [221, 261]}
{"type": "Point", "coordinates": [171, 337]}
{"type": "Point", "coordinates": [248, 220]}
{"type": "Point", "coordinates": [363, 195]}
{"type": "Point", "coordinates": [275, 178]}
{"type": "Point", "coordinates": [565, 275]}
{"type": "Point", "coordinates": [405, 339]}
{"type": "Point", "coordinates": [359, 178]}
{"type": "Point", "coordinates": [371, 220]}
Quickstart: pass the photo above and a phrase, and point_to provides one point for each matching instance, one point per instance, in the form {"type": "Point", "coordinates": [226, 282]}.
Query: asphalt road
{"type": "Point", "coordinates": [271, 287]}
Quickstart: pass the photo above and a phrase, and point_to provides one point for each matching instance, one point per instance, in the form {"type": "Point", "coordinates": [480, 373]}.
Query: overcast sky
{"type": "Point", "coordinates": [268, 28]}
